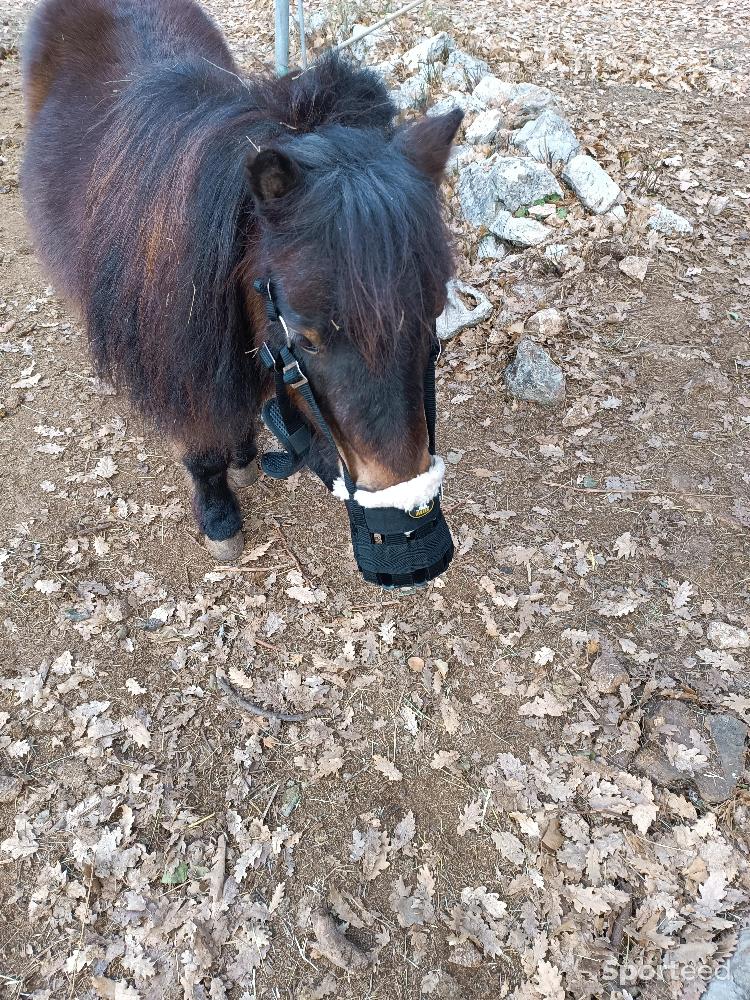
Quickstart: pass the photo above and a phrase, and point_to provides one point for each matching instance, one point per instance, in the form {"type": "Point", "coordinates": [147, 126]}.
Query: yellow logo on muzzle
{"type": "Point", "coordinates": [422, 511]}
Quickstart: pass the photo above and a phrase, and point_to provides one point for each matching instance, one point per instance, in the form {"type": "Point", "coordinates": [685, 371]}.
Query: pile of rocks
{"type": "Point", "coordinates": [518, 168]}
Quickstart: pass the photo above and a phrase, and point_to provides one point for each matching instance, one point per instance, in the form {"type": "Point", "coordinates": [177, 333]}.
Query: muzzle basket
{"type": "Point", "coordinates": [396, 549]}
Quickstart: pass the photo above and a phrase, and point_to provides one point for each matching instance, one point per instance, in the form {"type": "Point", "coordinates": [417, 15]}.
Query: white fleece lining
{"type": "Point", "coordinates": [403, 496]}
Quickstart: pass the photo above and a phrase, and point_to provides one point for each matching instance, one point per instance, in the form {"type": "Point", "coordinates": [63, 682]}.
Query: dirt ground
{"type": "Point", "coordinates": [464, 802]}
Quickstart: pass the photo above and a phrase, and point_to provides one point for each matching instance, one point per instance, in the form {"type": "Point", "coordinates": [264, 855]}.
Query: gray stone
{"type": "Point", "coordinates": [673, 719]}
{"type": "Point", "coordinates": [528, 101]}
{"type": "Point", "coordinates": [365, 47]}
{"type": "Point", "coordinates": [591, 183]}
{"type": "Point", "coordinates": [729, 735]}
{"type": "Point", "coordinates": [562, 258]}
{"type": "Point", "coordinates": [734, 981]}
{"type": "Point", "coordinates": [430, 50]}
{"type": "Point", "coordinates": [519, 182]}
{"type": "Point", "coordinates": [547, 138]}
{"type": "Point", "coordinates": [533, 375]}
{"type": "Point", "coordinates": [546, 324]}
{"type": "Point", "coordinates": [665, 221]}
{"type": "Point", "coordinates": [503, 182]}
{"type": "Point", "coordinates": [317, 26]}
{"type": "Point", "coordinates": [556, 252]}
{"type": "Point", "coordinates": [476, 192]}
{"type": "Point", "coordinates": [519, 232]}
{"type": "Point", "coordinates": [456, 316]}
{"type": "Point", "coordinates": [722, 635]}
{"type": "Point", "coordinates": [484, 127]}
{"type": "Point", "coordinates": [463, 72]}
{"type": "Point", "coordinates": [491, 248]}
{"type": "Point", "coordinates": [716, 205]}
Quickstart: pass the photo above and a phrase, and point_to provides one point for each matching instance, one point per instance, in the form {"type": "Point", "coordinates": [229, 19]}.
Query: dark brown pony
{"type": "Point", "coordinates": [159, 182]}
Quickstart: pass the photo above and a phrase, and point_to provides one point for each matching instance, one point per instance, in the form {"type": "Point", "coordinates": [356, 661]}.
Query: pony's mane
{"type": "Point", "coordinates": [171, 221]}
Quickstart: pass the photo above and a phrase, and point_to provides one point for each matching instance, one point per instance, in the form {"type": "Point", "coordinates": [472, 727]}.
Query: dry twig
{"type": "Point", "coordinates": [264, 713]}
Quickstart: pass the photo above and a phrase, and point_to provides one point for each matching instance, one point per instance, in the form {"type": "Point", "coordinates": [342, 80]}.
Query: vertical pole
{"type": "Point", "coordinates": [302, 39]}
{"type": "Point", "coordinates": [282, 37]}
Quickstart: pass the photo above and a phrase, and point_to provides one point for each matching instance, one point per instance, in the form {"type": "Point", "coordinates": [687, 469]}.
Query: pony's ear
{"type": "Point", "coordinates": [272, 174]}
{"type": "Point", "coordinates": [428, 142]}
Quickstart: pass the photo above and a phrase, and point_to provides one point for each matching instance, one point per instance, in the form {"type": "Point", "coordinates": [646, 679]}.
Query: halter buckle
{"type": "Point", "coordinates": [301, 380]}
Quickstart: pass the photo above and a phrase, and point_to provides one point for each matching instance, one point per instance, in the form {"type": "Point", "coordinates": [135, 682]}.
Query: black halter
{"type": "Point", "coordinates": [393, 548]}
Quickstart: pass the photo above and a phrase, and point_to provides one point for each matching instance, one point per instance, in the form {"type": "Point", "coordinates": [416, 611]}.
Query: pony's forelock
{"type": "Point", "coordinates": [371, 222]}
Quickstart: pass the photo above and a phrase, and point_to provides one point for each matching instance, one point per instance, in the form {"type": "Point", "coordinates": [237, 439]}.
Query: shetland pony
{"type": "Point", "coordinates": [159, 182]}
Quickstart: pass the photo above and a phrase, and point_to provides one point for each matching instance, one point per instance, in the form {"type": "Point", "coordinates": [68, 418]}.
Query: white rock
{"type": "Point", "coordinates": [533, 375]}
{"type": "Point", "coordinates": [529, 100]}
{"type": "Point", "coordinates": [460, 155]}
{"type": "Point", "coordinates": [463, 72]}
{"type": "Point", "coordinates": [722, 635]}
{"type": "Point", "coordinates": [387, 69]}
{"type": "Point", "coordinates": [430, 50]}
{"type": "Point", "coordinates": [556, 252]}
{"type": "Point", "coordinates": [317, 26]}
{"type": "Point", "coordinates": [490, 248]}
{"type": "Point", "coordinates": [591, 183]}
{"type": "Point", "coordinates": [455, 99]}
{"type": "Point", "coordinates": [366, 45]}
{"type": "Point", "coordinates": [412, 93]}
{"type": "Point", "coordinates": [519, 232]}
{"type": "Point", "coordinates": [519, 182]}
{"type": "Point", "coordinates": [523, 100]}
{"type": "Point", "coordinates": [484, 127]}
{"type": "Point", "coordinates": [665, 221]}
{"type": "Point", "coordinates": [503, 182]}
{"type": "Point", "coordinates": [546, 323]}
{"type": "Point", "coordinates": [492, 91]}
{"type": "Point", "coordinates": [617, 214]}
{"type": "Point", "coordinates": [456, 316]}
{"type": "Point", "coordinates": [548, 138]}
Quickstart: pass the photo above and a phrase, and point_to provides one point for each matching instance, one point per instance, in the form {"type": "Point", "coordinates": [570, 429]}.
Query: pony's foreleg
{"type": "Point", "coordinates": [215, 507]}
{"type": "Point", "coordinates": [243, 469]}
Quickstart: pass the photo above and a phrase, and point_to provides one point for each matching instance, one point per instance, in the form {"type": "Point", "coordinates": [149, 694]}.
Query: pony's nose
{"type": "Point", "coordinates": [374, 474]}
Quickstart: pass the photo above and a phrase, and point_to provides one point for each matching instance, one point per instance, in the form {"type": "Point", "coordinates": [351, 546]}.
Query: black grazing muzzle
{"type": "Point", "coordinates": [393, 547]}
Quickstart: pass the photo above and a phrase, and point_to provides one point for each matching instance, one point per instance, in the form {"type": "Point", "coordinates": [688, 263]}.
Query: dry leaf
{"type": "Point", "coordinates": [335, 946]}
{"type": "Point", "coordinates": [385, 767]}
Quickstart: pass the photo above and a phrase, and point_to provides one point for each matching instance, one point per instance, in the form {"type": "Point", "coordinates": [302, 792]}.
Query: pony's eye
{"type": "Point", "coordinates": [307, 345]}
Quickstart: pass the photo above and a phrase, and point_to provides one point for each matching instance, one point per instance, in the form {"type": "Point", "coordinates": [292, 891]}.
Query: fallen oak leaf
{"type": "Point", "coordinates": [114, 989]}
{"type": "Point", "coordinates": [334, 945]}
{"type": "Point", "coordinates": [386, 768]}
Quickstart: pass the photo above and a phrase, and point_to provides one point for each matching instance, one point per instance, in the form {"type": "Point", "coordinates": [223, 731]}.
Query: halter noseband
{"type": "Point", "coordinates": [393, 547]}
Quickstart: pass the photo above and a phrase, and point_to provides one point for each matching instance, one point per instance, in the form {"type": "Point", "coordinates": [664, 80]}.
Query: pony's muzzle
{"type": "Point", "coordinates": [396, 548]}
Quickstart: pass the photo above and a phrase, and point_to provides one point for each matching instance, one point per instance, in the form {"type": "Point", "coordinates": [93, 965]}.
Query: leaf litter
{"type": "Point", "coordinates": [436, 787]}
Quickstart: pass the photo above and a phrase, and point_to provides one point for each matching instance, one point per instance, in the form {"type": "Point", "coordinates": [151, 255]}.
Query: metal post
{"type": "Point", "coordinates": [282, 37]}
{"type": "Point", "coordinates": [302, 39]}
